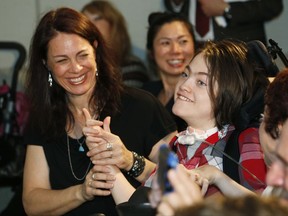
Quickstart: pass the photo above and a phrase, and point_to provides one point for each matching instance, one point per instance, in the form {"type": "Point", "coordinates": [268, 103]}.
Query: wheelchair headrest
{"type": "Point", "coordinates": [258, 53]}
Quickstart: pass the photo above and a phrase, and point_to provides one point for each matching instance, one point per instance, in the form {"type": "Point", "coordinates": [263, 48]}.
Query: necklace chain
{"type": "Point", "coordinates": [80, 143]}
{"type": "Point", "coordinates": [80, 149]}
{"type": "Point", "coordinates": [70, 162]}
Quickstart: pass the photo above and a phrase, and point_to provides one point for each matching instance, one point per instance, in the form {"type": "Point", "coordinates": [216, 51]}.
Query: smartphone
{"type": "Point", "coordinates": [167, 160]}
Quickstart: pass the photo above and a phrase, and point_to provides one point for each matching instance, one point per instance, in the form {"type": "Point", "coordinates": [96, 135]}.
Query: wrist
{"type": "Point", "coordinates": [130, 162]}
{"type": "Point", "coordinates": [81, 194]}
{"type": "Point", "coordinates": [216, 178]}
{"type": "Point", "coordinates": [138, 165]}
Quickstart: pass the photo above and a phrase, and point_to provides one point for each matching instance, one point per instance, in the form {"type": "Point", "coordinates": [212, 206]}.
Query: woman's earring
{"type": "Point", "coordinates": [96, 72]}
{"type": "Point", "coordinates": [50, 80]}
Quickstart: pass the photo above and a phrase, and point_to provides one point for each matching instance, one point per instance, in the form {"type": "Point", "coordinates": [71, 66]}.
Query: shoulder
{"type": "Point", "coordinates": [153, 86]}
{"type": "Point", "coordinates": [137, 101]}
{"type": "Point", "coordinates": [138, 96]}
{"type": "Point", "coordinates": [134, 60]}
{"type": "Point", "coordinates": [249, 138]}
{"type": "Point", "coordinates": [135, 93]}
{"type": "Point", "coordinates": [133, 64]}
{"type": "Point", "coordinates": [249, 133]}
{"type": "Point", "coordinates": [32, 136]}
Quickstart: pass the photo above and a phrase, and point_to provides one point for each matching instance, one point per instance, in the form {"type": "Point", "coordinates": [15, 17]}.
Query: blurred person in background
{"type": "Point", "coordinates": [112, 25]}
{"type": "Point", "coordinates": [170, 46]}
{"type": "Point", "coordinates": [218, 19]}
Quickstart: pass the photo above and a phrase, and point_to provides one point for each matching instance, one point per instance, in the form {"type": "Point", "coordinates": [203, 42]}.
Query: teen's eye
{"type": "Point", "coordinates": [201, 83]}
{"type": "Point", "coordinates": [97, 18]}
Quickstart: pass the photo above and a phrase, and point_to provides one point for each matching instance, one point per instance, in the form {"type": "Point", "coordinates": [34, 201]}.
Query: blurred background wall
{"type": "Point", "coordinates": [18, 19]}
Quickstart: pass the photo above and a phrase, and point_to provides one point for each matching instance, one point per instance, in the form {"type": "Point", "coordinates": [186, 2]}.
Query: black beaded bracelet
{"type": "Point", "coordinates": [138, 165]}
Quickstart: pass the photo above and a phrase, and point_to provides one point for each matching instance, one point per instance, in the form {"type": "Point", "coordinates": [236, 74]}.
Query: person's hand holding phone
{"type": "Point", "coordinates": [185, 192]}
{"type": "Point", "coordinates": [160, 183]}
{"type": "Point", "coordinates": [167, 160]}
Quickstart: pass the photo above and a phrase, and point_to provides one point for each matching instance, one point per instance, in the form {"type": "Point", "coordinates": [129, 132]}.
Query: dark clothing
{"type": "Point", "coordinates": [248, 19]}
{"type": "Point", "coordinates": [138, 204]}
{"type": "Point", "coordinates": [141, 122]}
{"type": "Point", "coordinates": [155, 87]}
{"type": "Point", "coordinates": [134, 72]}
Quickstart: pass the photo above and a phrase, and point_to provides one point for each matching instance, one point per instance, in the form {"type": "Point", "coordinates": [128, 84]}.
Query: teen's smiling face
{"type": "Point", "coordinates": [71, 60]}
{"type": "Point", "coordinates": [192, 101]}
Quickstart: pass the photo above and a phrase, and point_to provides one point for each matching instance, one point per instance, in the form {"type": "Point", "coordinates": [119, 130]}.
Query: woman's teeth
{"type": "Point", "coordinates": [78, 79]}
{"type": "Point", "coordinates": [175, 61]}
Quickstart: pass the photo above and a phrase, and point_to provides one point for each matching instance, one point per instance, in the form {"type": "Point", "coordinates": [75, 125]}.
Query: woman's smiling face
{"type": "Point", "coordinates": [173, 47]}
{"type": "Point", "coordinates": [71, 60]}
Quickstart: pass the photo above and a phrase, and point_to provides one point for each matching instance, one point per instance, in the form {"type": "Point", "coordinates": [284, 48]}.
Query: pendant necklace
{"type": "Point", "coordinates": [81, 148]}
{"type": "Point", "coordinates": [70, 161]}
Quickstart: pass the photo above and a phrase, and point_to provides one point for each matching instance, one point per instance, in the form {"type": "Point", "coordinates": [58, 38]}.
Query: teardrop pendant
{"type": "Point", "coordinates": [81, 149]}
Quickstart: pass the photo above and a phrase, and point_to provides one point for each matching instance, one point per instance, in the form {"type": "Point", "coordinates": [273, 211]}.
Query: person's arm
{"type": "Point", "coordinates": [204, 176]}
{"type": "Point", "coordinates": [40, 199]}
{"type": "Point", "coordinates": [255, 11]}
{"type": "Point", "coordinates": [97, 139]}
{"type": "Point", "coordinates": [119, 155]}
{"type": "Point", "coordinates": [215, 8]}
{"type": "Point", "coordinates": [252, 158]}
{"type": "Point", "coordinates": [216, 177]}
{"type": "Point", "coordinates": [267, 144]}
{"type": "Point", "coordinates": [122, 190]}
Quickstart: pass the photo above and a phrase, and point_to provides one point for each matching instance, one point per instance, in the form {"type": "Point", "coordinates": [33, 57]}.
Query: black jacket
{"type": "Point", "coordinates": [248, 19]}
